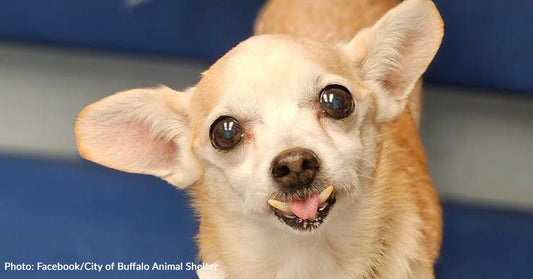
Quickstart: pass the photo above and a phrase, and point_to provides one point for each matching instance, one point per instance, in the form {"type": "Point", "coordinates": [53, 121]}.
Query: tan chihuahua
{"type": "Point", "coordinates": [300, 146]}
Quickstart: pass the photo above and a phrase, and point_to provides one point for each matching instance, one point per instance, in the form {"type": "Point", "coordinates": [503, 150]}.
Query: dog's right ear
{"type": "Point", "coordinates": [141, 131]}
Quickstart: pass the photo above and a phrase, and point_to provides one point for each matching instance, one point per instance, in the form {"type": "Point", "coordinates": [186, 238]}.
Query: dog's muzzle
{"type": "Point", "coordinates": [304, 205]}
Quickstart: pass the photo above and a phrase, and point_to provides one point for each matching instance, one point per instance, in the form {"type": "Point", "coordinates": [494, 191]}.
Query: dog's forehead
{"type": "Point", "coordinates": [267, 59]}
{"type": "Point", "coordinates": [265, 67]}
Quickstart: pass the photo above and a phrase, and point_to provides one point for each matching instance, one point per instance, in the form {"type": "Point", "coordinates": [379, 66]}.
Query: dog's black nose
{"type": "Point", "coordinates": [295, 168]}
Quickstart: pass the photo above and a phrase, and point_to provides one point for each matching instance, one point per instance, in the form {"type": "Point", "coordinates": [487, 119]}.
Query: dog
{"type": "Point", "coordinates": [300, 146]}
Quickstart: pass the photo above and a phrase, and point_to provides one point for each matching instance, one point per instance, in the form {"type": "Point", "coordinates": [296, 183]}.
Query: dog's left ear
{"type": "Point", "coordinates": [394, 53]}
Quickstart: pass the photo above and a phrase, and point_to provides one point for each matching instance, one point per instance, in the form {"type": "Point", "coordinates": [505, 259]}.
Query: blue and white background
{"type": "Point", "coordinates": [57, 56]}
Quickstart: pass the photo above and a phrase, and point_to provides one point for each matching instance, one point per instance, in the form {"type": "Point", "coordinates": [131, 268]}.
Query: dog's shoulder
{"type": "Point", "coordinates": [406, 167]}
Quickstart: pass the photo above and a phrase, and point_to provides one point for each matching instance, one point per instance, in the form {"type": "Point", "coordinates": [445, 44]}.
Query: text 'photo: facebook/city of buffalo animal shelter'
{"type": "Point", "coordinates": [266, 139]}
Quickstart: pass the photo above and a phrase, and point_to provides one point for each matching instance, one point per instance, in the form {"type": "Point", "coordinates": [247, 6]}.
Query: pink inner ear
{"type": "Point", "coordinates": [132, 147]}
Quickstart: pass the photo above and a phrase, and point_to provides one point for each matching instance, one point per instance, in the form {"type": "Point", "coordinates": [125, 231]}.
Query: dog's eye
{"type": "Point", "coordinates": [225, 133]}
{"type": "Point", "coordinates": [336, 101]}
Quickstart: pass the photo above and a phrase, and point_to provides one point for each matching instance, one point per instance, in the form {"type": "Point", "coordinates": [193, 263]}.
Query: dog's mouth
{"type": "Point", "coordinates": [304, 213]}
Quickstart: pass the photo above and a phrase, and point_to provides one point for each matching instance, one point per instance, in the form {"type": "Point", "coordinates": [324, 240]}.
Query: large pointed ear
{"type": "Point", "coordinates": [141, 131]}
{"type": "Point", "coordinates": [394, 53]}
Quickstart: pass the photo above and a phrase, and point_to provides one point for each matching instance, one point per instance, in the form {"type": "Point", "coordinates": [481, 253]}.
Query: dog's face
{"type": "Point", "coordinates": [277, 129]}
{"type": "Point", "coordinates": [287, 123]}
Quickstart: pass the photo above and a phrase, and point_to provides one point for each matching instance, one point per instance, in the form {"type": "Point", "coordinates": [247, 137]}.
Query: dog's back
{"type": "Point", "coordinates": [322, 20]}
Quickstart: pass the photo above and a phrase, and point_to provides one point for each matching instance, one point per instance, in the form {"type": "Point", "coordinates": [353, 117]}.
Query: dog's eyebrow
{"type": "Point", "coordinates": [322, 81]}
{"type": "Point", "coordinates": [244, 113]}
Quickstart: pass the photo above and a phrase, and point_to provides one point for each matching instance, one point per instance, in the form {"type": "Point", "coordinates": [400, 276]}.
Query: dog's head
{"type": "Point", "coordinates": [278, 128]}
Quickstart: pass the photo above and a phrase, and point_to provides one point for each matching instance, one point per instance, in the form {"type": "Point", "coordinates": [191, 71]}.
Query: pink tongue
{"type": "Point", "coordinates": [306, 208]}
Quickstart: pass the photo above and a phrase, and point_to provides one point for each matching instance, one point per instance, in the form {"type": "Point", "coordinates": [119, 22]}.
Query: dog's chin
{"type": "Point", "coordinates": [308, 225]}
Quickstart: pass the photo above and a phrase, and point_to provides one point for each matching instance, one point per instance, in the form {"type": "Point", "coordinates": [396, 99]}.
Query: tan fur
{"type": "Point", "coordinates": [387, 220]}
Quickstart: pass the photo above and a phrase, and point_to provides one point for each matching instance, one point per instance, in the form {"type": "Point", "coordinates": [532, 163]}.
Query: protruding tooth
{"type": "Point", "coordinates": [325, 194]}
{"type": "Point", "coordinates": [280, 205]}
